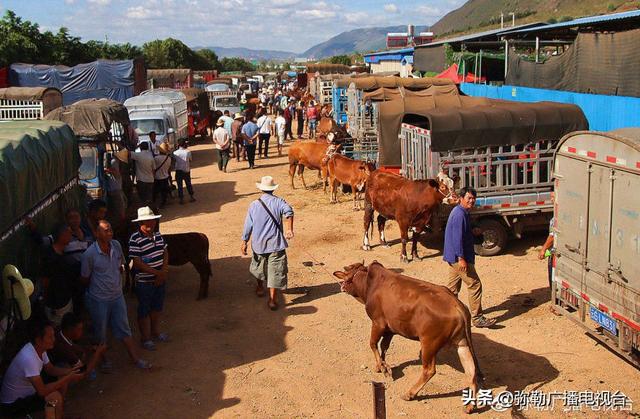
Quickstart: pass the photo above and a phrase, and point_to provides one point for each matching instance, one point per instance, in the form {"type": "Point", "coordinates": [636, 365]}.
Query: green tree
{"type": "Point", "coordinates": [208, 60]}
{"type": "Point", "coordinates": [340, 59]}
{"type": "Point", "coordinates": [20, 41]}
{"type": "Point", "coordinates": [236, 64]}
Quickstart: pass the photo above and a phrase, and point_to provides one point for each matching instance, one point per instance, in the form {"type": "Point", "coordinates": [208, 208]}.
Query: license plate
{"type": "Point", "coordinates": [603, 320]}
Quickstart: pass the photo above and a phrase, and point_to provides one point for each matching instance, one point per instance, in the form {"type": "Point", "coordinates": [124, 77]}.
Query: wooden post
{"type": "Point", "coordinates": [379, 406]}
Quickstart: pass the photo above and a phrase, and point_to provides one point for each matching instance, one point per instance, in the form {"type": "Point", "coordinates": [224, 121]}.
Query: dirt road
{"type": "Point", "coordinates": [232, 357]}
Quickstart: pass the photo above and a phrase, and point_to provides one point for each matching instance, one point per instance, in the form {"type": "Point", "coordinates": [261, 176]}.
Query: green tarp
{"type": "Point", "coordinates": [39, 163]}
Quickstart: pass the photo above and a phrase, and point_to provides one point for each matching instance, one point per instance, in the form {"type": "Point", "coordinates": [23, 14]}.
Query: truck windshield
{"type": "Point", "coordinates": [225, 102]}
{"type": "Point", "coordinates": [145, 126]}
{"type": "Point", "coordinates": [89, 166]}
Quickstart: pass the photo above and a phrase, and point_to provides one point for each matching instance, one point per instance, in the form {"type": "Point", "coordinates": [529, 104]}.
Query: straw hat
{"type": "Point", "coordinates": [122, 155]}
{"type": "Point", "coordinates": [22, 289]}
{"type": "Point", "coordinates": [164, 148]}
{"type": "Point", "coordinates": [238, 115]}
{"type": "Point", "coordinates": [145, 214]}
{"type": "Point", "coordinates": [267, 184]}
{"type": "Point", "coordinates": [219, 123]}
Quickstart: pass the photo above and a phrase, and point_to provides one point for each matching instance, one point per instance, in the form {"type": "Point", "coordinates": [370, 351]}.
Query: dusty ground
{"type": "Point", "coordinates": [232, 357]}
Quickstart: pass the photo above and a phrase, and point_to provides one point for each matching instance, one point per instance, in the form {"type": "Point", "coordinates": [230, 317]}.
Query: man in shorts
{"type": "Point", "coordinates": [280, 129]}
{"type": "Point", "coordinates": [101, 267]}
{"type": "Point", "coordinates": [263, 225]}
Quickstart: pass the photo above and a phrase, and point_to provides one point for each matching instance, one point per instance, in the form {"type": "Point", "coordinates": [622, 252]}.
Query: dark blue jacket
{"type": "Point", "coordinates": [458, 238]}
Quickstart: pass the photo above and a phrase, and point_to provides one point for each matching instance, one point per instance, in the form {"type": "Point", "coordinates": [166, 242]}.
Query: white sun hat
{"type": "Point", "coordinates": [267, 184]}
{"type": "Point", "coordinates": [145, 214]}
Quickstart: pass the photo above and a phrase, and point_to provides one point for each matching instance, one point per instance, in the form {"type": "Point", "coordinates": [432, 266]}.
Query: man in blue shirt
{"type": "Point", "coordinates": [460, 255]}
{"type": "Point", "coordinates": [250, 135]}
{"type": "Point", "coordinates": [263, 225]}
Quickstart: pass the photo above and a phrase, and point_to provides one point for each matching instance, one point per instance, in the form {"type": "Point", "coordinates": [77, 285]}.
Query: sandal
{"type": "Point", "coordinates": [162, 337]}
{"type": "Point", "coordinates": [273, 306]}
{"type": "Point", "coordinates": [143, 365]}
{"type": "Point", "coordinates": [149, 345]}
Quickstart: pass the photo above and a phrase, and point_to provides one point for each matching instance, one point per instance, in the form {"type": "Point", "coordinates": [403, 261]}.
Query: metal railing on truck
{"type": "Point", "coordinates": [366, 150]}
{"type": "Point", "coordinates": [13, 109]}
{"type": "Point", "coordinates": [513, 183]}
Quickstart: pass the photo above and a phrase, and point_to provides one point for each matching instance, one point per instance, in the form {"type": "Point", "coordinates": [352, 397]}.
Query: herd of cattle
{"type": "Point", "coordinates": [395, 303]}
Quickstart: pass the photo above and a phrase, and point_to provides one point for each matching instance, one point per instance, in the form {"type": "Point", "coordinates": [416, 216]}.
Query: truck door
{"type": "Point", "coordinates": [571, 218]}
{"type": "Point", "coordinates": [625, 230]}
{"type": "Point", "coordinates": [599, 223]}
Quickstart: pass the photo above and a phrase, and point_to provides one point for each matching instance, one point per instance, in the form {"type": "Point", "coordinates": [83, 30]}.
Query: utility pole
{"type": "Point", "coordinates": [501, 20]}
{"type": "Point", "coordinates": [513, 19]}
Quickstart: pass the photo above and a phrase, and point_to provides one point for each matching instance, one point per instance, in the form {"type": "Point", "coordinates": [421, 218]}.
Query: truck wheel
{"type": "Point", "coordinates": [494, 238]}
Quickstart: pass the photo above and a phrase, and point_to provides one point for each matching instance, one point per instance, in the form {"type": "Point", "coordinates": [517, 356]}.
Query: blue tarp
{"type": "Point", "coordinates": [100, 79]}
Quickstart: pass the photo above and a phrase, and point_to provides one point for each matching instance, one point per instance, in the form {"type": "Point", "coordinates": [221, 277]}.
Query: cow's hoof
{"type": "Point", "coordinates": [407, 397]}
{"type": "Point", "coordinates": [366, 247]}
{"type": "Point", "coordinates": [404, 259]}
{"type": "Point", "coordinates": [385, 245]}
{"type": "Point", "coordinates": [415, 256]}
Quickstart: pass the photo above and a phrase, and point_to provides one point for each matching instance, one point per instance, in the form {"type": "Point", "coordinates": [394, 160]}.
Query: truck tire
{"type": "Point", "coordinates": [494, 239]}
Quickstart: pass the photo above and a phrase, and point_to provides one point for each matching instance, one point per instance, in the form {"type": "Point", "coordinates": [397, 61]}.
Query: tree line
{"type": "Point", "coordinates": [22, 41]}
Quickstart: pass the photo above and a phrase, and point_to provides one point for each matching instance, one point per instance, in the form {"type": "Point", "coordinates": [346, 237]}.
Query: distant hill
{"type": "Point", "coordinates": [357, 40]}
{"type": "Point", "coordinates": [251, 54]}
{"type": "Point", "coordinates": [476, 14]}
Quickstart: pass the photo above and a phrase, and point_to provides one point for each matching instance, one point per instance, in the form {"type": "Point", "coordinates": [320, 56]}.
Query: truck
{"type": "Point", "coordinates": [163, 111]}
{"type": "Point", "coordinates": [101, 126]}
{"type": "Point", "coordinates": [222, 96]}
{"type": "Point", "coordinates": [504, 150]}
{"type": "Point", "coordinates": [28, 103]}
{"type": "Point", "coordinates": [596, 274]}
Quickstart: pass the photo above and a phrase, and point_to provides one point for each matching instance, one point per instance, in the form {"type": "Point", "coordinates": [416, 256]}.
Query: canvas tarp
{"type": "Point", "coordinates": [599, 63]}
{"type": "Point", "coordinates": [91, 117]}
{"type": "Point", "coordinates": [39, 163]}
{"type": "Point", "coordinates": [392, 93]}
{"type": "Point", "coordinates": [430, 59]}
{"type": "Point", "coordinates": [372, 83]}
{"type": "Point", "coordinates": [458, 122]}
{"type": "Point", "coordinates": [99, 79]}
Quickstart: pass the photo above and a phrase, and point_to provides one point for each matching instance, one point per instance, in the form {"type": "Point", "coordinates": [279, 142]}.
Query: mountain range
{"type": "Point", "coordinates": [472, 16]}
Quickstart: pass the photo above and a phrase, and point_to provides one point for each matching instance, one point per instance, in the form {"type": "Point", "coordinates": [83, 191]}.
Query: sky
{"type": "Point", "coordinates": [288, 25]}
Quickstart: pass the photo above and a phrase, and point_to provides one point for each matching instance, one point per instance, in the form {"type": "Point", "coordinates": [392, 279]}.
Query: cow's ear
{"type": "Point", "coordinates": [340, 274]}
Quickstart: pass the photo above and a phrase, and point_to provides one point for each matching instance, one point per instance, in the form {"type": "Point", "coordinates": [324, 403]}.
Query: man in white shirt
{"type": "Point", "coordinates": [161, 184]}
{"type": "Point", "coordinates": [183, 170]}
{"type": "Point", "coordinates": [153, 142]}
{"type": "Point", "coordinates": [145, 165]}
{"type": "Point", "coordinates": [264, 133]}
{"type": "Point", "coordinates": [222, 142]}
{"type": "Point", "coordinates": [280, 129]}
{"type": "Point", "coordinates": [23, 390]}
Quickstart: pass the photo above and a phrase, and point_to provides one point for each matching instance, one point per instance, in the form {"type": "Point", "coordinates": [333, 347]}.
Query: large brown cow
{"type": "Point", "coordinates": [310, 155]}
{"type": "Point", "coordinates": [346, 171]}
{"type": "Point", "coordinates": [410, 202]}
{"type": "Point", "coordinates": [417, 310]}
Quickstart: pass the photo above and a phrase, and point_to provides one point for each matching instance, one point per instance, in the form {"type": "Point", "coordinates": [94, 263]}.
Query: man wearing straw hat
{"type": "Point", "coordinates": [222, 143]}
{"type": "Point", "coordinates": [264, 225]}
{"type": "Point", "coordinates": [150, 258]}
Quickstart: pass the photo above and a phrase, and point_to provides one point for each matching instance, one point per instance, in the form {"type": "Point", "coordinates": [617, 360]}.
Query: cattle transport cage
{"type": "Point", "coordinates": [514, 182]}
{"type": "Point", "coordinates": [339, 104]}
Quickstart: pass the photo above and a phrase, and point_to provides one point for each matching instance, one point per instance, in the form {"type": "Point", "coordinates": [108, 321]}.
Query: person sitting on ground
{"type": "Point", "coordinates": [58, 276]}
{"type": "Point", "coordinates": [102, 264]}
{"type": "Point", "coordinates": [150, 256]}
{"type": "Point", "coordinates": [67, 353]}
{"type": "Point", "coordinates": [23, 390]}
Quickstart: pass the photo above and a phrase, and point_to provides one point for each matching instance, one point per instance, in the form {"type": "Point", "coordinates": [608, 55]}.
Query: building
{"type": "Point", "coordinates": [396, 60]}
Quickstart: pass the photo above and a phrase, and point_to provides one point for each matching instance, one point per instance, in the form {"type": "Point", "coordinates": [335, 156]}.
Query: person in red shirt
{"type": "Point", "coordinates": [312, 118]}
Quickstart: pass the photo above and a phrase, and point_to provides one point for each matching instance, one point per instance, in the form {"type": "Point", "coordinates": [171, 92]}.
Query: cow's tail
{"type": "Point", "coordinates": [208, 264]}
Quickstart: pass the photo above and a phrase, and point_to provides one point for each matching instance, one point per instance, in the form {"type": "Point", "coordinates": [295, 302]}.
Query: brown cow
{"type": "Point", "coordinates": [346, 171]}
{"type": "Point", "coordinates": [417, 310]}
{"type": "Point", "coordinates": [310, 155]}
{"type": "Point", "coordinates": [410, 202]}
{"type": "Point", "coordinates": [183, 248]}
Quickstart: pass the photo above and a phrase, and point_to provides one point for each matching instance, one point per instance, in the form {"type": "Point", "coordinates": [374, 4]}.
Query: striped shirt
{"type": "Point", "coordinates": [150, 250]}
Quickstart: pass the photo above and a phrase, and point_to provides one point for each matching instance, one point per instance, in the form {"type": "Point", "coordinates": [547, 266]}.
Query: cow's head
{"type": "Point", "coordinates": [447, 187]}
{"type": "Point", "coordinates": [350, 276]}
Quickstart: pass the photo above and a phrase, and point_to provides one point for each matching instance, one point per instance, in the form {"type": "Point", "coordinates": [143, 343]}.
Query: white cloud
{"type": "Point", "coordinates": [429, 11]}
{"type": "Point", "coordinates": [99, 2]}
{"type": "Point", "coordinates": [69, 2]}
{"type": "Point", "coordinates": [141, 12]}
{"type": "Point", "coordinates": [390, 8]}
{"type": "Point", "coordinates": [315, 14]}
